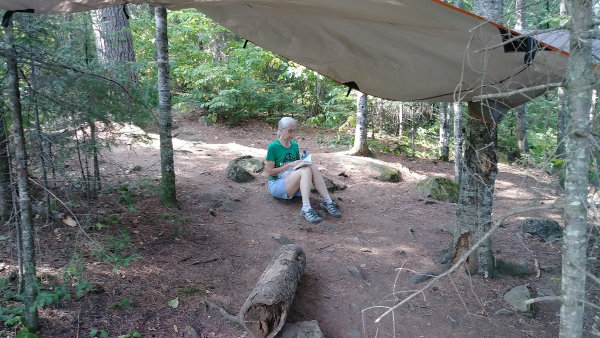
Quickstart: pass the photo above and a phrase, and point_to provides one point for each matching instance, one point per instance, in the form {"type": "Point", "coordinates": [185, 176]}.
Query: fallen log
{"type": "Point", "coordinates": [266, 308]}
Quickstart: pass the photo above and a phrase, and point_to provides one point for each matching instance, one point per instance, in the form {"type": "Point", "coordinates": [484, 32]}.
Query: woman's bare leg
{"type": "Point", "coordinates": [300, 179]}
{"type": "Point", "coordinates": [318, 181]}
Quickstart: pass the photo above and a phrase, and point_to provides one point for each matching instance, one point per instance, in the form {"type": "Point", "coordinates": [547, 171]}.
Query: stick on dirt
{"type": "Point", "coordinates": [266, 308]}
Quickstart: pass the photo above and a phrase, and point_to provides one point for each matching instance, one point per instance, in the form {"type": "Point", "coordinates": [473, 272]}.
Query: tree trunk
{"type": "Point", "coordinates": [475, 201]}
{"type": "Point", "coordinates": [522, 145]}
{"type": "Point", "coordinates": [5, 190]}
{"type": "Point", "coordinates": [27, 232]}
{"type": "Point", "coordinates": [266, 308]}
{"type": "Point", "coordinates": [521, 120]}
{"type": "Point", "coordinates": [562, 123]}
{"type": "Point", "coordinates": [112, 35]}
{"type": "Point", "coordinates": [489, 9]}
{"type": "Point", "coordinates": [478, 172]}
{"type": "Point", "coordinates": [167, 190]}
{"type": "Point", "coordinates": [458, 140]}
{"type": "Point", "coordinates": [579, 83]}
{"type": "Point", "coordinates": [361, 148]}
{"type": "Point", "coordinates": [445, 131]}
{"type": "Point", "coordinates": [96, 186]}
{"type": "Point", "coordinates": [519, 14]}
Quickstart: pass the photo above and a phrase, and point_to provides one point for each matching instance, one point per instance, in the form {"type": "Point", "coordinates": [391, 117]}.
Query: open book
{"type": "Point", "coordinates": [306, 161]}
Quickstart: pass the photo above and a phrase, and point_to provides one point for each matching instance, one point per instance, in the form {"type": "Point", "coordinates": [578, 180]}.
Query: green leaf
{"type": "Point", "coordinates": [174, 303]}
{"type": "Point", "coordinates": [104, 334]}
{"type": "Point", "coordinates": [136, 334]}
{"type": "Point", "coordinates": [93, 332]}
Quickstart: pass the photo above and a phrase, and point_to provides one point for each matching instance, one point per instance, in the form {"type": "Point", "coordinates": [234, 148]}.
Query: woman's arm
{"type": "Point", "coordinates": [272, 171]}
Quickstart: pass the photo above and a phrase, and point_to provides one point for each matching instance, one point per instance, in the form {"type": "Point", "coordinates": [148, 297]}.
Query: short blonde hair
{"type": "Point", "coordinates": [284, 123]}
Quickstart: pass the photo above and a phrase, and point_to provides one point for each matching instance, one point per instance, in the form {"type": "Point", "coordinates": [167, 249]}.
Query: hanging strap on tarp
{"type": "Point", "coordinates": [351, 85]}
{"type": "Point", "coordinates": [125, 11]}
{"type": "Point", "coordinates": [525, 44]}
{"type": "Point", "coordinates": [8, 14]}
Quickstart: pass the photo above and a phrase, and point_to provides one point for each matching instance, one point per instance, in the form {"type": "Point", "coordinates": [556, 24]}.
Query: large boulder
{"type": "Point", "coordinates": [439, 188]}
{"type": "Point", "coordinates": [251, 164]}
{"type": "Point", "coordinates": [545, 228]}
{"type": "Point", "coordinates": [240, 168]}
{"type": "Point", "coordinates": [382, 172]}
{"type": "Point", "coordinates": [516, 298]}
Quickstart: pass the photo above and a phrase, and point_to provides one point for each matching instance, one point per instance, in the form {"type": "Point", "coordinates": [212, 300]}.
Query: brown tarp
{"type": "Point", "coordinates": [408, 50]}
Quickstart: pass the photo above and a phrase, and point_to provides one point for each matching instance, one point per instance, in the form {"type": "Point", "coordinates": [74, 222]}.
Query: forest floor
{"type": "Point", "coordinates": [217, 244]}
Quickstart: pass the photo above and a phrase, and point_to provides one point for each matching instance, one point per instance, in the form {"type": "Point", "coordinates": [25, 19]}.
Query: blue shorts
{"type": "Point", "coordinates": [277, 189]}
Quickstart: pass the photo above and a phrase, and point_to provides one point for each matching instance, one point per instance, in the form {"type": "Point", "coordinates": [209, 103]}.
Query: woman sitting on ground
{"type": "Point", "coordinates": [283, 155]}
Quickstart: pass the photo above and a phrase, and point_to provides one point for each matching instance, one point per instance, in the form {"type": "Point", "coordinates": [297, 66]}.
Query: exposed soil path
{"type": "Point", "coordinates": [217, 245]}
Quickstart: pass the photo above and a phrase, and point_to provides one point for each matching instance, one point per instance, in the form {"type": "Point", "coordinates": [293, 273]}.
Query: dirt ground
{"type": "Point", "coordinates": [217, 244]}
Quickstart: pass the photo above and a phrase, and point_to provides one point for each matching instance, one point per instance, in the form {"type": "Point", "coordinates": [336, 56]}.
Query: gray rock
{"type": "Point", "coordinates": [190, 332]}
{"type": "Point", "coordinates": [249, 163]}
{"type": "Point", "coordinates": [545, 228]}
{"type": "Point", "coordinates": [356, 273]}
{"type": "Point", "coordinates": [308, 329]}
{"type": "Point", "coordinates": [238, 174]}
{"type": "Point", "coordinates": [421, 277]}
{"type": "Point", "coordinates": [516, 298]}
{"type": "Point", "coordinates": [513, 269]}
{"type": "Point", "coordinates": [331, 185]}
{"type": "Point", "coordinates": [205, 120]}
{"type": "Point", "coordinates": [439, 188]}
{"type": "Point", "coordinates": [330, 249]}
{"type": "Point", "coordinates": [283, 240]}
{"type": "Point", "coordinates": [383, 173]}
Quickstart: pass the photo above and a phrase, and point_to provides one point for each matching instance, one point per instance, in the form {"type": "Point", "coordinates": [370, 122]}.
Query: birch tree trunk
{"type": "Point", "coordinates": [27, 232]}
{"type": "Point", "coordinates": [579, 83]}
{"type": "Point", "coordinates": [445, 131]}
{"type": "Point", "coordinates": [458, 140]}
{"type": "Point", "coordinates": [167, 189]}
{"type": "Point", "coordinates": [361, 148]}
{"type": "Point", "coordinates": [562, 98]}
{"type": "Point", "coordinates": [5, 193]}
{"type": "Point", "coordinates": [521, 120]}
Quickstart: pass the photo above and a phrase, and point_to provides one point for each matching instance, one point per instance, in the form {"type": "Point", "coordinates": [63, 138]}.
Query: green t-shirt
{"type": "Point", "coordinates": [281, 155]}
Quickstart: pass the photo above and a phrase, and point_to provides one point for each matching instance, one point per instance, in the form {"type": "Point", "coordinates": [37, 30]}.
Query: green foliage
{"type": "Point", "coordinates": [94, 332]}
{"type": "Point", "coordinates": [24, 333]}
{"type": "Point", "coordinates": [123, 304]}
{"type": "Point", "coordinates": [125, 198]}
{"type": "Point", "coordinates": [116, 250]}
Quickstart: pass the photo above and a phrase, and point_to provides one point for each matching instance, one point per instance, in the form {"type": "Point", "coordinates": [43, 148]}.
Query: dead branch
{"type": "Point", "coordinates": [464, 257]}
{"type": "Point", "coordinates": [518, 91]}
{"type": "Point", "coordinates": [541, 299]}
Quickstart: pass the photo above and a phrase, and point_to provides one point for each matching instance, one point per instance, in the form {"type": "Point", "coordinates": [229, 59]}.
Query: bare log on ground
{"type": "Point", "coordinates": [266, 309]}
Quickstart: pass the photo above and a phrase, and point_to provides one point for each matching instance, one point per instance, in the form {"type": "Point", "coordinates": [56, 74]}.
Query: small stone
{"type": "Point", "coordinates": [365, 250]}
{"type": "Point", "coordinates": [307, 329]}
{"type": "Point", "coordinates": [330, 249]}
{"type": "Point", "coordinates": [399, 252]}
{"type": "Point", "coordinates": [516, 298]}
{"type": "Point", "coordinates": [421, 277]}
{"type": "Point", "coordinates": [355, 240]}
{"type": "Point", "coordinates": [544, 228]}
{"type": "Point", "coordinates": [356, 273]}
